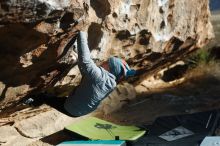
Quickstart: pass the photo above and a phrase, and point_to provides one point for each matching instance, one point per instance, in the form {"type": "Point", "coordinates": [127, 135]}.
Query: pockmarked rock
{"type": "Point", "coordinates": [37, 38]}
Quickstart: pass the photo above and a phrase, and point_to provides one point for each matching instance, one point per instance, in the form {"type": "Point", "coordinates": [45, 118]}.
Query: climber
{"type": "Point", "coordinates": [97, 82]}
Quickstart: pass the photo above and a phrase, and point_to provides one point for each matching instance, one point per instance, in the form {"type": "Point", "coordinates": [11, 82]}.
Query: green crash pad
{"type": "Point", "coordinates": [97, 129]}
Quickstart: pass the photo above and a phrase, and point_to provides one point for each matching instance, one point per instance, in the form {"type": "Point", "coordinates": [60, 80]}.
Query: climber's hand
{"type": "Point", "coordinates": [81, 24]}
{"type": "Point", "coordinates": [140, 71]}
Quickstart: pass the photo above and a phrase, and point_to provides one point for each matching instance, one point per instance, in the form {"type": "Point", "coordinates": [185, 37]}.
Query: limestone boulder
{"type": "Point", "coordinates": [37, 38]}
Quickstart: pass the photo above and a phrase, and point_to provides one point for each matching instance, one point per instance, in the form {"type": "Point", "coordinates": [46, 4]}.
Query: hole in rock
{"type": "Point", "coordinates": [154, 56]}
{"type": "Point", "coordinates": [5, 7]}
{"type": "Point", "coordinates": [162, 25]}
{"type": "Point", "coordinates": [174, 44]}
{"type": "Point", "coordinates": [113, 30]}
{"type": "Point", "coordinates": [144, 41]}
{"type": "Point", "coordinates": [143, 32]}
{"type": "Point", "coordinates": [101, 7]}
{"type": "Point", "coordinates": [115, 15]}
{"type": "Point", "coordinates": [123, 35]}
{"type": "Point", "coordinates": [174, 73]}
{"type": "Point", "coordinates": [144, 37]}
{"type": "Point", "coordinates": [42, 9]}
{"type": "Point", "coordinates": [171, 6]}
{"type": "Point", "coordinates": [169, 17]}
{"type": "Point", "coordinates": [161, 10]}
{"type": "Point", "coordinates": [66, 20]}
{"type": "Point", "coordinates": [94, 35]}
{"type": "Point", "coordinates": [177, 43]}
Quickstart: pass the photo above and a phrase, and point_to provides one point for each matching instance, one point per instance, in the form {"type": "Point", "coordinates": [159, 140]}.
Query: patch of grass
{"type": "Point", "coordinates": [202, 56]}
{"type": "Point", "coordinates": [203, 63]}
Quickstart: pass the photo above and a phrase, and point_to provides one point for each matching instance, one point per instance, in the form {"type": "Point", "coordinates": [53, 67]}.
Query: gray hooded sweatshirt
{"type": "Point", "coordinates": [96, 82]}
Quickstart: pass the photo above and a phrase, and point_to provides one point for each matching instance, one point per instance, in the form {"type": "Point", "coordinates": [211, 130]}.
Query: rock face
{"type": "Point", "coordinates": [36, 37]}
{"type": "Point", "coordinates": [30, 125]}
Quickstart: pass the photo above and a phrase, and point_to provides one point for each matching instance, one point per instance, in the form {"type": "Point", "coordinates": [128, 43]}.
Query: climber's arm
{"type": "Point", "coordinates": [86, 64]}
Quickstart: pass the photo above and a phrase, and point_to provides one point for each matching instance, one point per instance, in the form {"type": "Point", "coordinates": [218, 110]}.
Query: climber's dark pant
{"type": "Point", "coordinates": [58, 104]}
